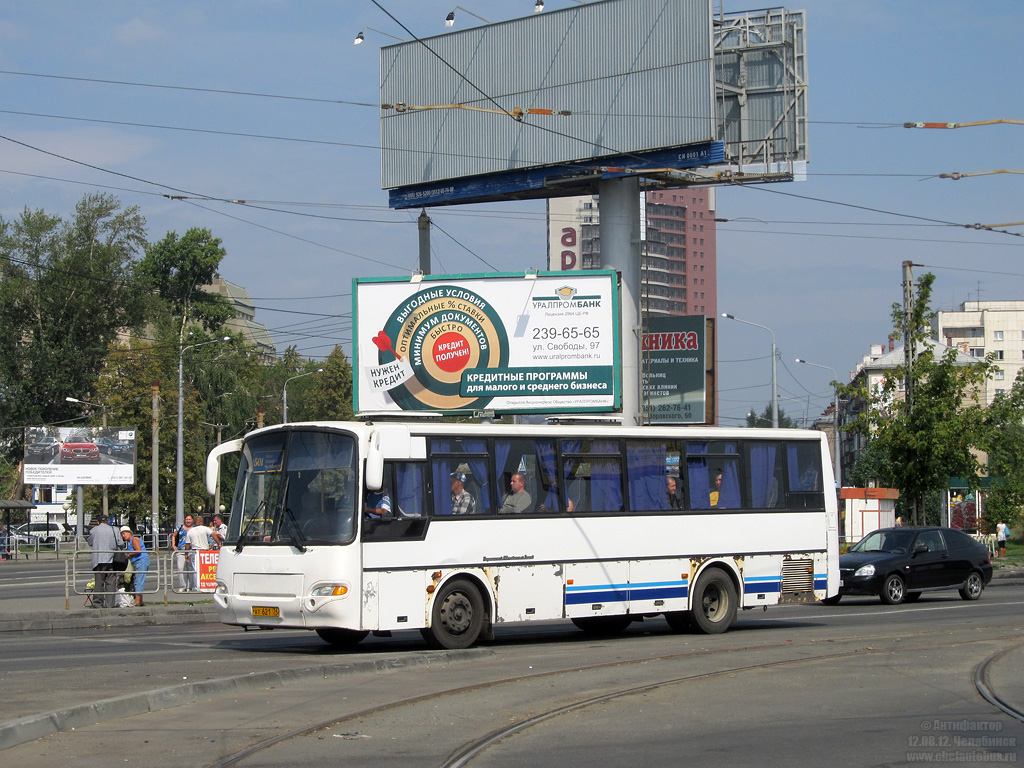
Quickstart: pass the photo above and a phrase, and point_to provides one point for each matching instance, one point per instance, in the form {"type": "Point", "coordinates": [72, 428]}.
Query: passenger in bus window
{"type": "Point", "coordinates": [463, 502]}
{"type": "Point", "coordinates": [672, 492]}
{"type": "Point", "coordinates": [718, 488]}
{"type": "Point", "coordinates": [378, 504]}
{"type": "Point", "coordinates": [518, 500]}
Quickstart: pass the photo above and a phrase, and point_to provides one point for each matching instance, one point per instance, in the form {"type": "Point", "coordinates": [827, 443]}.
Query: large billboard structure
{"type": "Point", "coordinates": [470, 116]}
{"type": "Point", "coordinates": [661, 88]}
{"type": "Point", "coordinates": [502, 343]}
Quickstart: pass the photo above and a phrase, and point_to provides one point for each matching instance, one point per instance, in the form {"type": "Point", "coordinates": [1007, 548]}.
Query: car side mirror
{"type": "Point", "coordinates": [920, 548]}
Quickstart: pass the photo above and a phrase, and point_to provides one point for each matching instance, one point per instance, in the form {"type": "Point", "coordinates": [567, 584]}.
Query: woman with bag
{"type": "Point", "coordinates": [139, 558]}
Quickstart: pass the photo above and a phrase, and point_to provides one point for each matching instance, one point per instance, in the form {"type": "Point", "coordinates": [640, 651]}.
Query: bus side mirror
{"type": "Point", "coordinates": [213, 463]}
{"type": "Point", "coordinates": [374, 464]}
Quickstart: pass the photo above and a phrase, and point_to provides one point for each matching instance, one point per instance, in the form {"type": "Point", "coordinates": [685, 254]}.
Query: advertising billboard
{"type": "Point", "coordinates": [674, 354]}
{"type": "Point", "coordinates": [507, 343]}
{"type": "Point", "coordinates": [79, 456]}
{"type": "Point", "coordinates": [473, 115]}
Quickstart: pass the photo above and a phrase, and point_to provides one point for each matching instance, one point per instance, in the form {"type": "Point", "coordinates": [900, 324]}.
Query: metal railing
{"type": "Point", "coordinates": [169, 573]}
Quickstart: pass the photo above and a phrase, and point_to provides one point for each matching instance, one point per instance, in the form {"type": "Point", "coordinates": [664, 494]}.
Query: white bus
{"type": "Point", "coordinates": [598, 539]}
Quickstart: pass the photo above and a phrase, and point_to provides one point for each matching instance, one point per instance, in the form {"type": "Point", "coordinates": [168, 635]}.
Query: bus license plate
{"type": "Point", "coordinates": [262, 610]}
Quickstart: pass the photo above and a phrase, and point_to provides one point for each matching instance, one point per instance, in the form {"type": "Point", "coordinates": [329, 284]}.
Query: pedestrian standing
{"type": "Point", "coordinates": [180, 555]}
{"type": "Point", "coordinates": [198, 538]}
{"type": "Point", "coordinates": [103, 541]}
{"type": "Point", "coordinates": [139, 558]}
{"type": "Point", "coordinates": [1002, 529]}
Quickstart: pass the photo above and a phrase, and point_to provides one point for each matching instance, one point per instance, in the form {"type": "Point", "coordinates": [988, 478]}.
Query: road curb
{"type": "Point", "coordinates": [25, 729]}
{"type": "Point", "coordinates": [98, 618]}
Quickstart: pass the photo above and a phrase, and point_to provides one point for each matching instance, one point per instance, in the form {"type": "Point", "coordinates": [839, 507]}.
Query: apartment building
{"type": "Point", "coordinates": [980, 328]}
{"type": "Point", "coordinates": [678, 247]}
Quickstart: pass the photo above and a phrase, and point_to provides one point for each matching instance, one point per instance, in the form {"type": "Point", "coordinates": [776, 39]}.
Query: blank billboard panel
{"type": "Point", "coordinates": [600, 80]}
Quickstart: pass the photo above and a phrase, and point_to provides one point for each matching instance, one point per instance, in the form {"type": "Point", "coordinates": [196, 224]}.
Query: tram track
{"type": "Point", "coordinates": [463, 754]}
{"type": "Point", "coordinates": [981, 682]}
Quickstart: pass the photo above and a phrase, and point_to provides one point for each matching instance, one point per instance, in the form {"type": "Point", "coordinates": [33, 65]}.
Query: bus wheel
{"type": "Point", "coordinates": [343, 638]}
{"type": "Point", "coordinates": [679, 621]}
{"type": "Point", "coordinates": [714, 602]}
{"type": "Point", "coordinates": [834, 600]}
{"type": "Point", "coordinates": [602, 625]}
{"type": "Point", "coordinates": [457, 617]}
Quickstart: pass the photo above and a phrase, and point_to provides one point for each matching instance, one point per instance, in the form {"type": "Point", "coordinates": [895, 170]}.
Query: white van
{"type": "Point", "coordinates": [47, 533]}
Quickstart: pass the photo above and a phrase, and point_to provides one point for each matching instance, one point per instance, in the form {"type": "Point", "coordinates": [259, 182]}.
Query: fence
{"type": "Point", "coordinates": [170, 573]}
{"type": "Point", "coordinates": [70, 547]}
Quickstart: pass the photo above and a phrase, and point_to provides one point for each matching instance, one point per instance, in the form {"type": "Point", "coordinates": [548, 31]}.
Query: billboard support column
{"type": "Point", "coordinates": [620, 250]}
{"type": "Point", "coordinates": [80, 498]}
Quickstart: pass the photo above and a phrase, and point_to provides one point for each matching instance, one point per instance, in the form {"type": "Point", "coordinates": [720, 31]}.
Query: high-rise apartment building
{"type": "Point", "coordinates": [678, 272]}
{"type": "Point", "coordinates": [979, 328]}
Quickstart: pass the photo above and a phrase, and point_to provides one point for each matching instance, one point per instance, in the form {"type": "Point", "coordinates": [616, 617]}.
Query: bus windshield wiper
{"type": "Point", "coordinates": [245, 528]}
{"type": "Point", "coordinates": [298, 539]}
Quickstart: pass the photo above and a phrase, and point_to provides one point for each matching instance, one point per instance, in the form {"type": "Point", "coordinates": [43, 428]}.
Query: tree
{"type": "Point", "coordinates": [176, 269]}
{"type": "Point", "coordinates": [765, 419]}
{"type": "Point", "coordinates": [330, 393]}
{"type": "Point", "coordinates": [68, 289]}
{"type": "Point", "coordinates": [1005, 447]}
{"type": "Point", "coordinates": [931, 437]}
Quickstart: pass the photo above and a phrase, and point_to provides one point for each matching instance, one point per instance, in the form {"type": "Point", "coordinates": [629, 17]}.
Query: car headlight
{"type": "Point", "coordinates": [865, 570]}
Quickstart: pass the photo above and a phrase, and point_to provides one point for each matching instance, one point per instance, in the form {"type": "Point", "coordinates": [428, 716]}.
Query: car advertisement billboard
{"type": "Point", "coordinates": [507, 343]}
{"type": "Point", "coordinates": [79, 456]}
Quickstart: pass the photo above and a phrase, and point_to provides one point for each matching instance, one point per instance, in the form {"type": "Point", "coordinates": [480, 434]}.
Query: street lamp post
{"type": "Point", "coordinates": [179, 488]}
{"type": "Point", "coordinates": [835, 419]}
{"type": "Point", "coordinates": [103, 409]}
{"type": "Point", "coordinates": [284, 409]}
{"type": "Point", "coordinates": [775, 385]}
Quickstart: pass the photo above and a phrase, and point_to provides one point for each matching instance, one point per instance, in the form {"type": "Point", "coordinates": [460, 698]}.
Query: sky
{"type": "Point", "coordinates": [269, 102]}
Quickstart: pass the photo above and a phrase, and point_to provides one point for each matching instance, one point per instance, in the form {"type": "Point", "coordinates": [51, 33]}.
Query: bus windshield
{"type": "Point", "coordinates": [295, 488]}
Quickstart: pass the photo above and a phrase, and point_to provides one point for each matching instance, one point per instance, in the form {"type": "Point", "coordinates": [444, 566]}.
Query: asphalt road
{"type": "Point", "coordinates": [857, 684]}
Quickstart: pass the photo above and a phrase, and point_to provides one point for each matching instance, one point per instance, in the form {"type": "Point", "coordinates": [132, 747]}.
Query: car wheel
{"type": "Point", "coordinates": [893, 591]}
{"type": "Point", "coordinates": [714, 602]}
{"type": "Point", "coordinates": [834, 600]}
{"type": "Point", "coordinates": [972, 587]}
{"type": "Point", "coordinates": [457, 617]}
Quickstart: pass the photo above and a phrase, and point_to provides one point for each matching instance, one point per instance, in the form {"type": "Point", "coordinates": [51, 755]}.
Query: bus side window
{"type": "Point", "coordinates": [766, 479]}
{"type": "Point", "coordinates": [803, 476]}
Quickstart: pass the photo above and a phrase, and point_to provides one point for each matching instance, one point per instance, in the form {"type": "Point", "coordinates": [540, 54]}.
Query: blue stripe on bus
{"type": "Point", "coordinates": [762, 584]}
{"type": "Point", "coordinates": [577, 595]}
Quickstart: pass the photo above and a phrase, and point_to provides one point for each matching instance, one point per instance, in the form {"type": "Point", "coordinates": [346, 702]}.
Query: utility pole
{"type": "Point", "coordinates": [909, 354]}
{"type": "Point", "coordinates": [155, 511]}
{"type": "Point", "coordinates": [908, 341]}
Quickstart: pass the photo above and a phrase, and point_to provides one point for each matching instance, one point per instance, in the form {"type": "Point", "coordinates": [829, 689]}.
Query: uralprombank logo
{"type": "Point", "coordinates": [566, 297]}
{"type": "Point", "coordinates": [441, 332]}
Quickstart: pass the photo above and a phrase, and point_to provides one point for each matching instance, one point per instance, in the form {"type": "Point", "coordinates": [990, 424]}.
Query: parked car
{"type": "Point", "coordinates": [20, 535]}
{"type": "Point", "coordinates": [79, 448]}
{"type": "Point", "coordinates": [46, 533]}
{"type": "Point", "coordinates": [898, 564]}
{"type": "Point", "coordinates": [42, 450]}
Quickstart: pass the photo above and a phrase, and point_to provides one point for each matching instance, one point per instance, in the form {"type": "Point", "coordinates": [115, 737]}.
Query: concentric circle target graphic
{"type": "Point", "coordinates": [442, 333]}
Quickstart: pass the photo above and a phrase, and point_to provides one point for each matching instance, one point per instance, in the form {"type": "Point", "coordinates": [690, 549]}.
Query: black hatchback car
{"type": "Point", "coordinates": [899, 564]}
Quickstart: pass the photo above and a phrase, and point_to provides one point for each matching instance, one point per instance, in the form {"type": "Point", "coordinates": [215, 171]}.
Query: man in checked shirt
{"type": "Point", "coordinates": [463, 502]}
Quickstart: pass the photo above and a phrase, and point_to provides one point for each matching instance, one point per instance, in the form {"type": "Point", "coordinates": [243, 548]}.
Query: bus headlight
{"type": "Point", "coordinates": [865, 570]}
{"type": "Point", "coordinates": [222, 588]}
{"type": "Point", "coordinates": [330, 590]}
